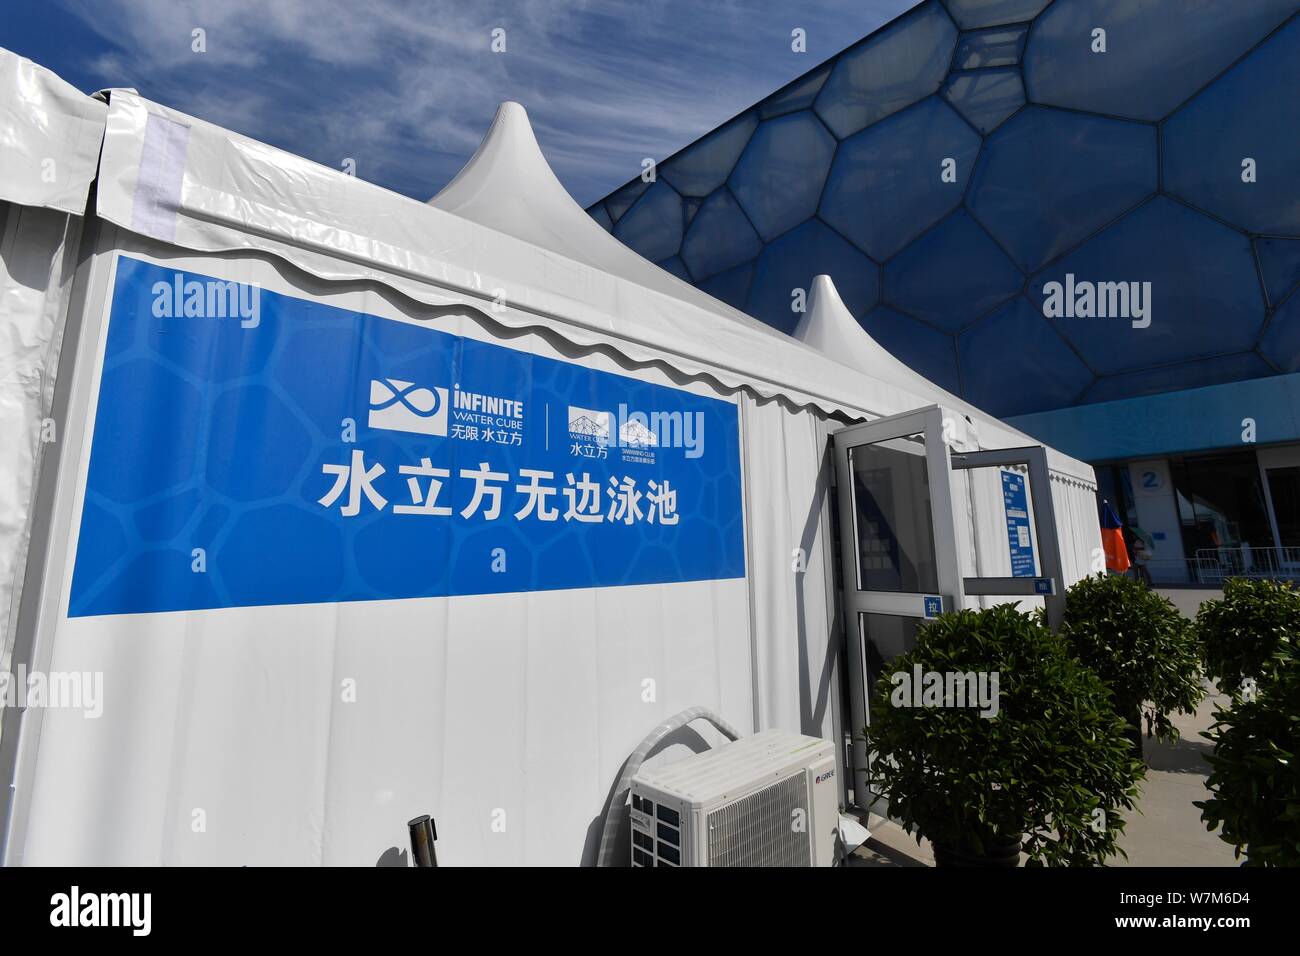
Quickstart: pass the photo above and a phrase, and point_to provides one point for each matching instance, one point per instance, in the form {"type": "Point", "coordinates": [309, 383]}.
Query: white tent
{"type": "Point", "coordinates": [49, 145]}
{"type": "Point", "coordinates": [253, 715]}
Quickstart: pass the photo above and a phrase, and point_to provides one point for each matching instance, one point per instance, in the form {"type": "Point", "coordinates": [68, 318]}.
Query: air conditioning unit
{"type": "Point", "coordinates": [767, 800]}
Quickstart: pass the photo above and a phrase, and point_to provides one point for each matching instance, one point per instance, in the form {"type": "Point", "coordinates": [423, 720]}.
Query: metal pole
{"type": "Point", "coordinates": [423, 835]}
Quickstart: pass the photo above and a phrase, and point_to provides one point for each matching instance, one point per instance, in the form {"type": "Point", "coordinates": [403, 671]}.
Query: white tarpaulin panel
{"type": "Point", "coordinates": [37, 250]}
{"type": "Point", "coordinates": [791, 565]}
{"type": "Point", "coordinates": [50, 136]}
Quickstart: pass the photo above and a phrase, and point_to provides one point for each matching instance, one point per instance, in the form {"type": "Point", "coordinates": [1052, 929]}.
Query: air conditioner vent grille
{"type": "Point", "coordinates": [761, 830]}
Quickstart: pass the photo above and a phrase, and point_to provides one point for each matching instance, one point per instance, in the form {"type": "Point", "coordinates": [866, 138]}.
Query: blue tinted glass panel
{"type": "Point", "coordinates": [720, 237]}
{"type": "Point", "coordinates": [923, 349]}
{"type": "Point", "coordinates": [1172, 378]}
{"type": "Point", "coordinates": [1014, 362]}
{"type": "Point", "coordinates": [799, 95]}
{"type": "Point", "coordinates": [998, 47]}
{"type": "Point", "coordinates": [599, 214]}
{"type": "Point", "coordinates": [676, 267]}
{"type": "Point", "coordinates": [1158, 52]}
{"type": "Point", "coordinates": [732, 286]}
{"type": "Point", "coordinates": [885, 186]}
{"type": "Point", "coordinates": [1047, 179]}
{"type": "Point", "coordinates": [952, 275]}
{"type": "Point", "coordinates": [653, 226]}
{"type": "Point", "coordinates": [987, 97]}
{"type": "Point", "coordinates": [903, 63]}
{"type": "Point", "coordinates": [1280, 343]}
{"type": "Point", "coordinates": [621, 199]}
{"type": "Point", "coordinates": [704, 165]}
{"type": "Point", "coordinates": [1165, 284]}
{"type": "Point", "coordinates": [792, 261]}
{"type": "Point", "coordinates": [1279, 261]}
{"type": "Point", "coordinates": [778, 180]}
{"type": "Point", "coordinates": [1252, 112]}
{"type": "Point", "coordinates": [689, 208]}
{"type": "Point", "coordinates": [986, 13]}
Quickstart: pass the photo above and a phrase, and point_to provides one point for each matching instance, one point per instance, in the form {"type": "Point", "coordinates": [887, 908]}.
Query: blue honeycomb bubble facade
{"type": "Point", "coordinates": [954, 167]}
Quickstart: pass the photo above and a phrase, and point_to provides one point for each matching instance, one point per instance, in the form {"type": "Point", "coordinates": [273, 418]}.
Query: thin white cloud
{"type": "Point", "coordinates": [407, 88]}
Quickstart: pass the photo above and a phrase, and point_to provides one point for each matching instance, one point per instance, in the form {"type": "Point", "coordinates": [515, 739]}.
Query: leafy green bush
{"type": "Point", "coordinates": [1143, 650]}
{"type": "Point", "coordinates": [1240, 634]}
{"type": "Point", "coordinates": [1255, 781]}
{"type": "Point", "coordinates": [1053, 763]}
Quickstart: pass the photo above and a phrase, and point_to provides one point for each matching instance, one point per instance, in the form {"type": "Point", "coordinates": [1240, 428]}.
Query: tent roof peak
{"type": "Point", "coordinates": [832, 329]}
{"type": "Point", "coordinates": [507, 169]}
{"type": "Point", "coordinates": [508, 186]}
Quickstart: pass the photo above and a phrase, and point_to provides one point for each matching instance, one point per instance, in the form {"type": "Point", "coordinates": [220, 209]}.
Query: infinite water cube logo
{"type": "Point", "coordinates": [403, 407]}
{"type": "Point", "coordinates": [589, 425]}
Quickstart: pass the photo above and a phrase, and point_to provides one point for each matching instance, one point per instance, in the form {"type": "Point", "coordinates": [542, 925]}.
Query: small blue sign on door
{"type": "Point", "coordinates": [1019, 539]}
{"type": "Point", "coordinates": [933, 605]}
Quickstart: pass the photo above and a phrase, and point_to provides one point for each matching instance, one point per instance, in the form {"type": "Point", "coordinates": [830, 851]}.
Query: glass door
{"type": "Point", "coordinates": [899, 543]}
{"type": "Point", "coordinates": [1281, 471]}
{"type": "Point", "coordinates": [898, 546]}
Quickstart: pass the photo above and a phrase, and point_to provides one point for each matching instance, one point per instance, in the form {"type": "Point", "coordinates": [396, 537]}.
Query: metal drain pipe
{"type": "Point", "coordinates": [423, 835]}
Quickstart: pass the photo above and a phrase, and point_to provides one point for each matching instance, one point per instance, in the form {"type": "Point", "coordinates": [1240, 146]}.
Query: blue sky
{"type": "Point", "coordinates": [407, 87]}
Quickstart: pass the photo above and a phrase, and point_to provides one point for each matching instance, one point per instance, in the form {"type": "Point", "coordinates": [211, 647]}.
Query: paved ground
{"type": "Point", "coordinates": [1169, 831]}
{"type": "Point", "coordinates": [1188, 600]}
{"type": "Point", "coordinates": [1166, 832]}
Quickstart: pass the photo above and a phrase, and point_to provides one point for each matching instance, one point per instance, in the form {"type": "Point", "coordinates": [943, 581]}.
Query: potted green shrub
{"type": "Point", "coordinates": [1255, 778]}
{"type": "Point", "coordinates": [1251, 641]}
{"type": "Point", "coordinates": [1143, 650]}
{"type": "Point", "coordinates": [1240, 634]}
{"type": "Point", "coordinates": [1047, 772]}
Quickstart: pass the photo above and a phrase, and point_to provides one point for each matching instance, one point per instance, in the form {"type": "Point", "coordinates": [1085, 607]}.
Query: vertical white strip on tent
{"type": "Point", "coordinates": [37, 261]}
{"type": "Point", "coordinates": [788, 496]}
{"type": "Point", "coordinates": [1078, 522]}
{"type": "Point", "coordinates": [49, 144]}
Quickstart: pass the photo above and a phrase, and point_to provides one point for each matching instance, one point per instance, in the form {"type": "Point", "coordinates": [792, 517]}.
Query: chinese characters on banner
{"type": "Point", "coordinates": [329, 455]}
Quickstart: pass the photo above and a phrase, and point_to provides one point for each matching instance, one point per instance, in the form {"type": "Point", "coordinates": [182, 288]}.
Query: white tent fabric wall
{"type": "Point", "coordinates": [51, 135]}
{"type": "Point", "coordinates": [506, 715]}
{"type": "Point", "coordinates": [788, 491]}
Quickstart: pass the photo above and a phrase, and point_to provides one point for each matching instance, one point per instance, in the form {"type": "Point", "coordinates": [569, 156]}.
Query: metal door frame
{"type": "Point", "coordinates": [927, 421]}
{"type": "Point", "coordinates": [953, 589]}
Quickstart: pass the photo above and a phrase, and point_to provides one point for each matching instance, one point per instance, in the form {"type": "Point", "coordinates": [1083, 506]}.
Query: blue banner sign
{"type": "Point", "coordinates": [1020, 540]}
{"type": "Point", "coordinates": [252, 448]}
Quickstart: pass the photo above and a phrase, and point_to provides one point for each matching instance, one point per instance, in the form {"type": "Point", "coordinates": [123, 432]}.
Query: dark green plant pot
{"type": "Point", "coordinates": [1001, 852]}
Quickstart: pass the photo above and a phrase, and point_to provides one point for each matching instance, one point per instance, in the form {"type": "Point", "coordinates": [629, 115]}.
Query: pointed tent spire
{"type": "Point", "coordinates": [508, 186]}
{"type": "Point", "coordinates": [830, 327]}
